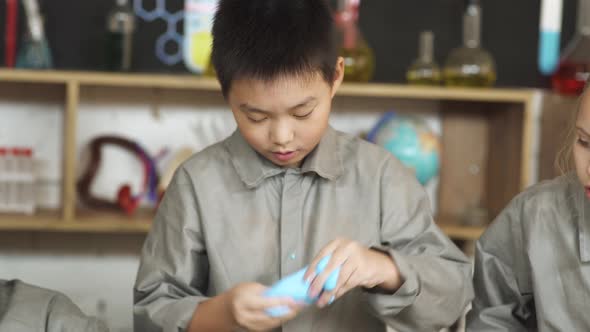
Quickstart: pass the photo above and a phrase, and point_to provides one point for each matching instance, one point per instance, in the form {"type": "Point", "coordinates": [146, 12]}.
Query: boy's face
{"type": "Point", "coordinates": [581, 149]}
{"type": "Point", "coordinates": [284, 119]}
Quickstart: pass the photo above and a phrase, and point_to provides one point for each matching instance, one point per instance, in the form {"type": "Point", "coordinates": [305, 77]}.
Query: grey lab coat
{"type": "Point", "coordinates": [27, 308]}
{"type": "Point", "coordinates": [532, 265]}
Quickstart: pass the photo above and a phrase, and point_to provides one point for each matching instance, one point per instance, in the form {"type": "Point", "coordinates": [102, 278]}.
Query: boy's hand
{"type": "Point", "coordinates": [248, 305]}
{"type": "Point", "coordinates": [359, 267]}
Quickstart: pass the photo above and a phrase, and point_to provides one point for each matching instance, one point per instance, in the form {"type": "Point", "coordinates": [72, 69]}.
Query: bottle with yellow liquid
{"type": "Point", "coordinates": [197, 35]}
{"type": "Point", "coordinates": [359, 60]}
{"type": "Point", "coordinates": [470, 65]}
{"type": "Point", "coordinates": [424, 70]}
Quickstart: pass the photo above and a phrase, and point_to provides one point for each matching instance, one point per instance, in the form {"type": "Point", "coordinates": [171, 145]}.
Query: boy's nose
{"type": "Point", "coordinates": [281, 134]}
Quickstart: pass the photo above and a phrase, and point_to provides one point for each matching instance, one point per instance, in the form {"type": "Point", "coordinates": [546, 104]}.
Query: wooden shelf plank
{"type": "Point", "coordinates": [41, 219]}
{"type": "Point", "coordinates": [85, 222]}
{"type": "Point", "coordinates": [186, 81]}
{"type": "Point", "coordinates": [69, 142]}
{"type": "Point", "coordinates": [40, 216]}
{"type": "Point", "coordinates": [107, 226]}
{"type": "Point", "coordinates": [467, 233]}
{"type": "Point", "coordinates": [113, 222]}
{"type": "Point", "coordinates": [193, 82]}
{"type": "Point", "coordinates": [456, 231]}
{"type": "Point", "coordinates": [101, 222]}
{"type": "Point", "coordinates": [435, 93]}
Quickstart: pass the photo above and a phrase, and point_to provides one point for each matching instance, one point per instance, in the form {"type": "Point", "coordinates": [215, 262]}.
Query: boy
{"type": "Point", "coordinates": [286, 190]}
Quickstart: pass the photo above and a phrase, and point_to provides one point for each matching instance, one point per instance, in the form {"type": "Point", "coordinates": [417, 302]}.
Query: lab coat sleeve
{"type": "Point", "coordinates": [173, 274]}
{"type": "Point", "coordinates": [437, 275]}
{"type": "Point", "coordinates": [503, 295]}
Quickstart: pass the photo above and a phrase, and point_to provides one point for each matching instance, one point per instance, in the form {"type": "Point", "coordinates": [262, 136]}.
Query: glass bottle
{"type": "Point", "coordinates": [198, 39]}
{"type": "Point", "coordinates": [359, 60]}
{"type": "Point", "coordinates": [4, 179]}
{"type": "Point", "coordinates": [424, 70]}
{"type": "Point", "coordinates": [34, 52]}
{"type": "Point", "coordinates": [470, 65]}
{"type": "Point", "coordinates": [120, 27]}
{"type": "Point", "coordinates": [574, 65]}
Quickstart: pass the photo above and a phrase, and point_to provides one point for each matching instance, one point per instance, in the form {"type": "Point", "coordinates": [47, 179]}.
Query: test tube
{"type": "Point", "coordinates": [549, 36]}
{"type": "Point", "coordinates": [3, 180]}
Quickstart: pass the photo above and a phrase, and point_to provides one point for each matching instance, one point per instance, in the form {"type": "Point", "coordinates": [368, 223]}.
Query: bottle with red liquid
{"type": "Point", "coordinates": [28, 192]}
{"type": "Point", "coordinates": [574, 66]}
{"type": "Point", "coordinates": [3, 179]}
{"type": "Point", "coordinates": [359, 59]}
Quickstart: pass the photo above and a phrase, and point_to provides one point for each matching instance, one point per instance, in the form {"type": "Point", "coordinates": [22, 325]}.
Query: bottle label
{"type": "Point", "coordinates": [197, 33]}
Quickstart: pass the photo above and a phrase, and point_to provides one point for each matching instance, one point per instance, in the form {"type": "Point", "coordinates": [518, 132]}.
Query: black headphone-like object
{"type": "Point", "coordinates": [126, 202]}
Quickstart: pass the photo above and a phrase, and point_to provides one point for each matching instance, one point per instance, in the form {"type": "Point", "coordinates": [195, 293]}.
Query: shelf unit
{"type": "Point", "coordinates": [489, 130]}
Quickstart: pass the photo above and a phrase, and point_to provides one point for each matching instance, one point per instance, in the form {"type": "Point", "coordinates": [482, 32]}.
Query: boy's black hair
{"type": "Point", "coordinates": [265, 39]}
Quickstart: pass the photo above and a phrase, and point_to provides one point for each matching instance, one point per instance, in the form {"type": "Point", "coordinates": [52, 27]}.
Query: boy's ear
{"type": "Point", "coordinates": [338, 75]}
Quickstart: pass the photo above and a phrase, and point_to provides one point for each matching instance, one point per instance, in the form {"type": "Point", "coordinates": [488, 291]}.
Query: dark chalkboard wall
{"type": "Point", "coordinates": [75, 29]}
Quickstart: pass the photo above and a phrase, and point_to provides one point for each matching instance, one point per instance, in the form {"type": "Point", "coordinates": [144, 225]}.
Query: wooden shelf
{"type": "Point", "coordinates": [105, 222]}
{"type": "Point", "coordinates": [470, 118]}
{"type": "Point", "coordinates": [110, 79]}
{"type": "Point", "coordinates": [193, 82]}
{"type": "Point", "coordinates": [115, 222]}
{"type": "Point", "coordinates": [106, 226]}
{"type": "Point", "coordinates": [85, 222]}
{"type": "Point", "coordinates": [34, 222]}
{"type": "Point", "coordinates": [458, 232]}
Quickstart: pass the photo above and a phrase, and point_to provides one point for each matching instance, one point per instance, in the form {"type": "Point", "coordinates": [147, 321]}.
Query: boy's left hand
{"type": "Point", "coordinates": [359, 267]}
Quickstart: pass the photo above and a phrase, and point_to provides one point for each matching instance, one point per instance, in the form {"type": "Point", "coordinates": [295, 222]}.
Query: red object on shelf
{"type": "Point", "coordinates": [574, 65]}
{"type": "Point", "coordinates": [346, 18]}
{"type": "Point", "coordinates": [126, 201]}
{"type": "Point", "coordinates": [570, 78]}
{"type": "Point", "coordinates": [10, 31]}
{"type": "Point", "coordinates": [16, 151]}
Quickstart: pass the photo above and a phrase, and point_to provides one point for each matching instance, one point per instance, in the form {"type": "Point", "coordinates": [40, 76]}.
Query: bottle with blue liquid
{"type": "Point", "coordinates": [549, 35]}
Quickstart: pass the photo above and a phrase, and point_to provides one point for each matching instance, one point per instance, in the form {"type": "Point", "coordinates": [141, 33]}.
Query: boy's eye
{"type": "Point", "coordinates": [583, 143]}
{"type": "Point", "coordinates": [304, 115]}
{"type": "Point", "coordinates": [256, 119]}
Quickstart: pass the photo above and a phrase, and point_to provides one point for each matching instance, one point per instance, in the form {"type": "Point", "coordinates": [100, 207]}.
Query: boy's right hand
{"type": "Point", "coordinates": [248, 307]}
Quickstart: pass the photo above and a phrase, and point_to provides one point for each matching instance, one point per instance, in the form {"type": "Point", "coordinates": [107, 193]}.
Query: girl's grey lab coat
{"type": "Point", "coordinates": [27, 308]}
{"type": "Point", "coordinates": [532, 265]}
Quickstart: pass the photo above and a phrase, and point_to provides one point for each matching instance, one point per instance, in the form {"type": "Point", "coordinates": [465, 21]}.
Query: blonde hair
{"type": "Point", "coordinates": [564, 159]}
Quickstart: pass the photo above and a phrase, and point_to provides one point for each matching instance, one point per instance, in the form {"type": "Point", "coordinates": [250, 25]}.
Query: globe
{"type": "Point", "coordinates": [409, 139]}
